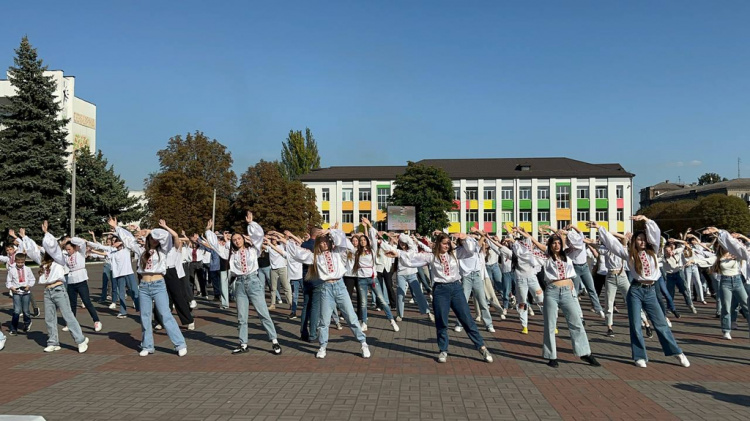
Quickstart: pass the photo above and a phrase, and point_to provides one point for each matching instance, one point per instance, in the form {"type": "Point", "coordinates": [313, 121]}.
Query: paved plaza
{"type": "Point", "coordinates": [402, 380]}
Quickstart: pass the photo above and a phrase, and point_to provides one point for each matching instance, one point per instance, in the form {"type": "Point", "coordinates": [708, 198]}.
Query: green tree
{"type": "Point", "coordinates": [181, 192]}
{"type": "Point", "coordinates": [726, 212]}
{"type": "Point", "coordinates": [299, 155]}
{"type": "Point", "coordinates": [100, 192]}
{"type": "Point", "coordinates": [673, 217]}
{"type": "Point", "coordinates": [277, 203]}
{"type": "Point", "coordinates": [430, 190]}
{"type": "Point", "coordinates": [710, 178]}
{"type": "Point", "coordinates": [32, 148]}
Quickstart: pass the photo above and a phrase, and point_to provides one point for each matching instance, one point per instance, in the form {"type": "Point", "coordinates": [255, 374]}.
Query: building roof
{"type": "Point", "coordinates": [736, 184]}
{"type": "Point", "coordinates": [485, 168]}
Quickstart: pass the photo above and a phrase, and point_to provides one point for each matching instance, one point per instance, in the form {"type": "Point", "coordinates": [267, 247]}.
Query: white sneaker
{"type": "Point", "coordinates": [83, 346]}
{"type": "Point", "coordinates": [395, 326]}
{"type": "Point", "coordinates": [321, 353]}
{"type": "Point", "coordinates": [505, 311]}
{"type": "Point", "coordinates": [65, 329]}
{"type": "Point", "coordinates": [669, 323]}
{"type": "Point", "coordinates": [338, 326]}
{"type": "Point", "coordinates": [364, 327]}
{"type": "Point", "coordinates": [458, 328]}
{"type": "Point", "coordinates": [478, 319]}
{"type": "Point", "coordinates": [52, 348]}
{"type": "Point", "coordinates": [182, 352]}
{"type": "Point", "coordinates": [83, 305]}
{"type": "Point", "coordinates": [601, 314]}
{"type": "Point", "coordinates": [398, 318]}
{"type": "Point", "coordinates": [443, 357]}
{"type": "Point", "coordinates": [191, 326]}
{"type": "Point", "coordinates": [432, 317]}
{"type": "Point", "coordinates": [365, 351]}
{"type": "Point", "coordinates": [640, 363]}
{"type": "Point", "coordinates": [694, 310]}
{"type": "Point", "coordinates": [112, 306]}
{"type": "Point", "coordinates": [491, 329]}
{"type": "Point", "coordinates": [531, 311]}
{"type": "Point", "coordinates": [502, 317]}
{"type": "Point", "coordinates": [411, 301]}
{"type": "Point", "coordinates": [683, 360]}
{"type": "Point", "coordinates": [2, 344]}
{"type": "Point", "coordinates": [158, 327]}
{"type": "Point", "coordinates": [193, 304]}
{"type": "Point", "coordinates": [143, 353]}
{"type": "Point", "coordinates": [486, 354]}
{"type": "Point", "coordinates": [97, 326]}
{"type": "Point", "coordinates": [727, 336]}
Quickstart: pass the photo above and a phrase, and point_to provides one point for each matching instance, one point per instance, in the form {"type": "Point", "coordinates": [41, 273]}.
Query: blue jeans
{"type": "Point", "coordinates": [643, 297]}
{"type": "Point", "coordinates": [676, 279]}
{"type": "Point", "coordinates": [411, 282]}
{"type": "Point", "coordinates": [365, 285]}
{"type": "Point", "coordinates": [451, 296]}
{"type": "Point", "coordinates": [583, 273]}
{"type": "Point", "coordinates": [21, 305]}
{"type": "Point", "coordinates": [424, 279]}
{"type": "Point", "coordinates": [57, 299]}
{"type": "Point", "coordinates": [120, 282]}
{"type": "Point", "coordinates": [335, 294]}
{"type": "Point", "coordinates": [296, 286]}
{"type": "Point", "coordinates": [493, 271]}
{"type": "Point", "coordinates": [106, 281]}
{"type": "Point", "coordinates": [732, 290]}
{"type": "Point", "coordinates": [473, 282]}
{"type": "Point", "coordinates": [224, 287]}
{"type": "Point", "coordinates": [215, 278]}
{"type": "Point", "coordinates": [507, 287]}
{"type": "Point", "coordinates": [156, 292]}
{"type": "Point", "coordinates": [82, 289]}
{"type": "Point", "coordinates": [564, 298]}
{"type": "Point", "coordinates": [663, 296]}
{"type": "Point", "coordinates": [249, 289]}
{"type": "Point", "coordinates": [311, 293]}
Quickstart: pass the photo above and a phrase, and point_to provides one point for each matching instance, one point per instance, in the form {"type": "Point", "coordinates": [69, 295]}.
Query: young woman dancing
{"type": "Point", "coordinates": [407, 276]}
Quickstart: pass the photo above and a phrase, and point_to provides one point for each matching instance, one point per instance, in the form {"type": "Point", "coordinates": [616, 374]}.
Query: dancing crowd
{"type": "Point", "coordinates": [554, 271]}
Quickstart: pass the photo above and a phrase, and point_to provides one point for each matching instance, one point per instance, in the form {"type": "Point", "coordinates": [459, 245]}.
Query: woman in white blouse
{"type": "Point", "coordinates": [641, 255]}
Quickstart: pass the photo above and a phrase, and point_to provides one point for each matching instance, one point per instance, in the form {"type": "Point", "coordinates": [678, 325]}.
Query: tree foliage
{"type": "Point", "coordinates": [726, 212]}
{"type": "Point", "coordinates": [32, 148]}
{"type": "Point", "coordinates": [710, 178]}
{"type": "Point", "coordinates": [277, 203]}
{"type": "Point", "coordinates": [430, 190]}
{"type": "Point", "coordinates": [101, 192]}
{"type": "Point", "coordinates": [182, 191]}
{"type": "Point", "coordinates": [299, 155]}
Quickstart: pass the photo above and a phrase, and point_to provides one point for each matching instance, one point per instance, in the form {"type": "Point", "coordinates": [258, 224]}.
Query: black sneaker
{"type": "Point", "coordinates": [610, 333]}
{"type": "Point", "coordinates": [276, 349]}
{"type": "Point", "coordinates": [240, 349]}
{"type": "Point", "coordinates": [591, 360]}
{"type": "Point", "coordinates": [292, 316]}
{"type": "Point", "coordinates": [553, 363]}
{"type": "Point", "coordinates": [37, 312]}
{"type": "Point", "coordinates": [649, 332]}
{"type": "Point", "coordinates": [27, 327]}
{"type": "Point", "coordinates": [305, 338]}
{"type": "Point", "coordinates": [13, 333]}
{"type": "Point", "coordinates": [676, 313]}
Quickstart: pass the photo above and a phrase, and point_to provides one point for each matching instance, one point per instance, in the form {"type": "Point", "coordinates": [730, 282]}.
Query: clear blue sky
{"type": "Point", "coordinates": [661, 87]}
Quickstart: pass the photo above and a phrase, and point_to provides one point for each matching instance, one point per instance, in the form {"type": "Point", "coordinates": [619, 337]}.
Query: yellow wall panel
{"type": "Point", "coordinates": [603, 224]}
{"type": "Point", "coordinates": [563, 215]}
{"type": "Point", "coordinates": [488, 204]}
{"type": "Point", "coordinates": [620, 226]}
{"type": "Point", "coordinates": [365, 206]}
{"type": "Point", "coordinates": [326, 226]}
{"type": "Point", "coordinates": [455, 227]}
{"type": "Point", "coordinates": [347, 206]}
{"type": "Point", "coordinates": [526, 226]}
{"type": "Point", "coordinates": [473, 204]}
{"type": "Point", "coordinates": [381, 215]}
{"type": "Point", "coordinates": [325, 206]}
{"type": "Point", "coordinates": [347, 227]}
{"type": "Point", "coordinates": [582, 226]}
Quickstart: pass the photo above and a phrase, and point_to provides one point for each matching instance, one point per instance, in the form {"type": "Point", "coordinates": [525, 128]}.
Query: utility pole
{"type": "Point", "coordinates": [213, 212]}
{"type": "Point", "coordinates": [73, 199]}
{"type": "Point", "coordinates": [738, 168]}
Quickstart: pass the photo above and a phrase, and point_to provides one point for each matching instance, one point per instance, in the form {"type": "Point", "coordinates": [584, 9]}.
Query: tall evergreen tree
{"type": "Point", "coordinates": [299, 155]}
{"type": "Point", "coordinates": [430, 190]}
{"type": "Point", "coordinates": [32, 148]}
{"type": "Point", "coordinates": [100, 192]}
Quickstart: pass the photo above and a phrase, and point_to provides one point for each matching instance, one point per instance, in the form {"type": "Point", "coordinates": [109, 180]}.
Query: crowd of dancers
{"type": "Point", "coordinates": [164, 272]}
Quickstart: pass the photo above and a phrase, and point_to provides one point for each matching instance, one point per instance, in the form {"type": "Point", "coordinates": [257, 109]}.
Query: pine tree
{"type": "Point", "coordinates": [299, 155]}
{"type": "Point", "coordinates": [100, 192]}
{"type": "Point", "coordinates": [32, 148]}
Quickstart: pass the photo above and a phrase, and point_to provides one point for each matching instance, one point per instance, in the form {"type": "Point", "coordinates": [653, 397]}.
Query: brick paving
{"type": "Point", "coordinates": [402, 380]}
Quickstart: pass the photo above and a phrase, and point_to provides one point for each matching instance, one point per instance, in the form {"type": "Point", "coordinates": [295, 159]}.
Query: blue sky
{"type": "Point", "coordinates": [661, 87]}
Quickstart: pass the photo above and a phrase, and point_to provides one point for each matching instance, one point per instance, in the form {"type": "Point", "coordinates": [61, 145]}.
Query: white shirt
{"type": "Point", "coordinates": [55, 273]}
{"type": "Point", "coordinates": [557, 270]}
{"type": "Point", "coordinates": [367, 260]}
{"type": "Point", "coordinates": [650, 265]}
{"type": "Point", "coordinates": [403, 268]}
{"type": "Point", "coordinates": [528, 263]}
{"type": "Point", "coordinates": [13, 279]}
{"type": "Point", "coordinates": [331, 265]}
{"type": "Point", "coordinates": [505, 256]}
{"type": "Point", "coordinates": [156, 264]}
{"type": "Point", "coordinates": [444, 268]}
{"type": "Point", "coordinates": [174, 260]}
{"type": "Point", "coordinates": [278, 260]}
{"type": "Point", "coordinates": [76, 263]}
{"type": "Point", "coordinates": [737, 249]}
{"type": "Point", "coordinates": [120, 259]}
{"type": "Point", "coordinates": [576, 248]}
{"type": "Point", "coordinates": [471, 260]}
{"type": "Point", "coordinates": [244, 261]}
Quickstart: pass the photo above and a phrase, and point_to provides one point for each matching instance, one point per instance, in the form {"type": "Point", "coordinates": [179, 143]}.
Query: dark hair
{"type": "Point", "coordinates": [361, 248]}
{"type": "Point", "coordinates": [650, 250]}
{"type": "Point", "coordinates": [560, 255]}
{"type": "Point", "coordinates": [21, 257]}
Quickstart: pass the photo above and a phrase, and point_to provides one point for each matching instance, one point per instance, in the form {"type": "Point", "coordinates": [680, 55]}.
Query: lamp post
{"type": "Point", "coordinates": [73, 197]}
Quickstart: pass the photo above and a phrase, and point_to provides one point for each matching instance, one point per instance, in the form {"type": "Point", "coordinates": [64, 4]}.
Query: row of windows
{"type": "Point", "coordinates": [347, 195]}
{"type": "Point", "coordinates": [542, 193]}
{"type": "Point", "coordinates": [525, 216]}
{"type": "Point", "coordinates": [347, 217]}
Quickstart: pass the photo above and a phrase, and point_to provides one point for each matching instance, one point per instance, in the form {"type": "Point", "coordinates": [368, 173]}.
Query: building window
{"type": "Point", "coordinates": [524, 193]}
{"type": "Point", "coordinates": [364, 195]}
{"type": "Point", "coordinates": [347, 217]}
{"type": "Point", "coordinates": [326, 217]}
{"type": "Point", "coordinates": [507, 193]}
{"type": "Point", "coordinates": [454, 216]}
{"type": "Point", "coordinates": [365, 215]}
{"type": "Point", "coordinates": [582, 192]}
{"type": "Point", "coordinates": [602, 215]}
{"type": "Point", "coordinates": [620, 192]}
{"type": "Point", "coordinates": [489, 216]}
{"type": "Point", "coordinates": [325, 195]}
{"type": "Point", "coordinates": [347, 195]}
{"type": "Point", "coordinates": [472, 193]}
{"type": "Point", "coordinates": [507, 217]}
{"type": "Point", "coordinates": [542, 193]}
{"type": "Point", "coordinates": [382, 226]}
{"type": "Point", "coordinates": [489, 194]}
{"type": "Point", "coordinates": [621, 215]}
{"type": "Point", "coordinates": [542, 216]}
{"type": "Point", "coordinates": [456, 193]}
{"type": "Point", "coordinates": [561, 224]}
{"type": "Point", "coordinates": [601, 192]}
{"type": "Point", "coordinates": [524, 216]}
{"type": "Point", "coordinates": [384, 194]}
{"type": "Point", "coordinates": [583, 216]}
{"type": "Point", "coordinates": [472, 216]}
{"type": "Point", "coordinates": [563, 197]}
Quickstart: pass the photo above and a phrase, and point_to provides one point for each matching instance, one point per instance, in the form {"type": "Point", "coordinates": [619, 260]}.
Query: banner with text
{"type": "Point", "coordinates": [402, 218]}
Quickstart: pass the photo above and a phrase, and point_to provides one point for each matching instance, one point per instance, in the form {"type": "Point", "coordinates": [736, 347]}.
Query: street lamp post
{"type": "Point", "coordinates": [73, 199]}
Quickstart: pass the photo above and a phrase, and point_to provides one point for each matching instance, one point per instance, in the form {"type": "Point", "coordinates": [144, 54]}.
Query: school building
{"type": "Point", "coordinates": [488, 192]}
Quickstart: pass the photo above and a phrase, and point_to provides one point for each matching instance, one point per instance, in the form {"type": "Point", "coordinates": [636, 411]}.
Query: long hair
{"type": "Point", "coordinates": [720, 251]}
{"type": "Point", "coordinates": [634, 253]}
{"type": "Point", "coordinates": [362, 249]}
{"type": "Point", "coordinates": [560, 255]}
{"type": "Point", "coordinates": [147, 252]}
{"type": "Point", "coordinates": [312, 272]}
{"type": "Point", "coordinates": [688, 250]}
{"type": "Point", "coordinates": [436, 245]}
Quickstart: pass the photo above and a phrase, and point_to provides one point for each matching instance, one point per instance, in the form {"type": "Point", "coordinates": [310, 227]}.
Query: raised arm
{"type": "Point", "coordinates": [298, 253]}
{"type": "Point", "coordinates": [340, 242]}
{"type": "Point", "coordinates": [255, 232]}
{"type": "Point", "coordinates": [611, 243]}
{"type": "Point", "coordinates": [653, 233]}
{"type": "Point", "coordinates": [733, 246]}
{"type": "Point", "coordinates": [213, 241]}
{"type": "Point", "coordinates": [128, 240]}
{"type": "Point", "coordinates": [469, 247]}
{"type": "Point", "coordinates": [32, 249]}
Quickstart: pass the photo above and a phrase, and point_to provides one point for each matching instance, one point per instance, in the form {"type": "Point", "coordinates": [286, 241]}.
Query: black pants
{"type": "Point", "coordinates": [195, 271]}
{"type": "Point", "coordinates": [351, 285]}
{"type": "Point", "coordinates": [599, 281]}
{"type": "Point", "coordinates": [82, 289]}
{"type": "Point", "coordinates": [388, 278]}
{"type": "Point", "coordinates": [178, 296]}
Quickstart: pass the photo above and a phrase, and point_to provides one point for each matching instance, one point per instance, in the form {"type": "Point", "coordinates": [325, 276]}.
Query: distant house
{"type": "Point", "coordinates": [671, 192]}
